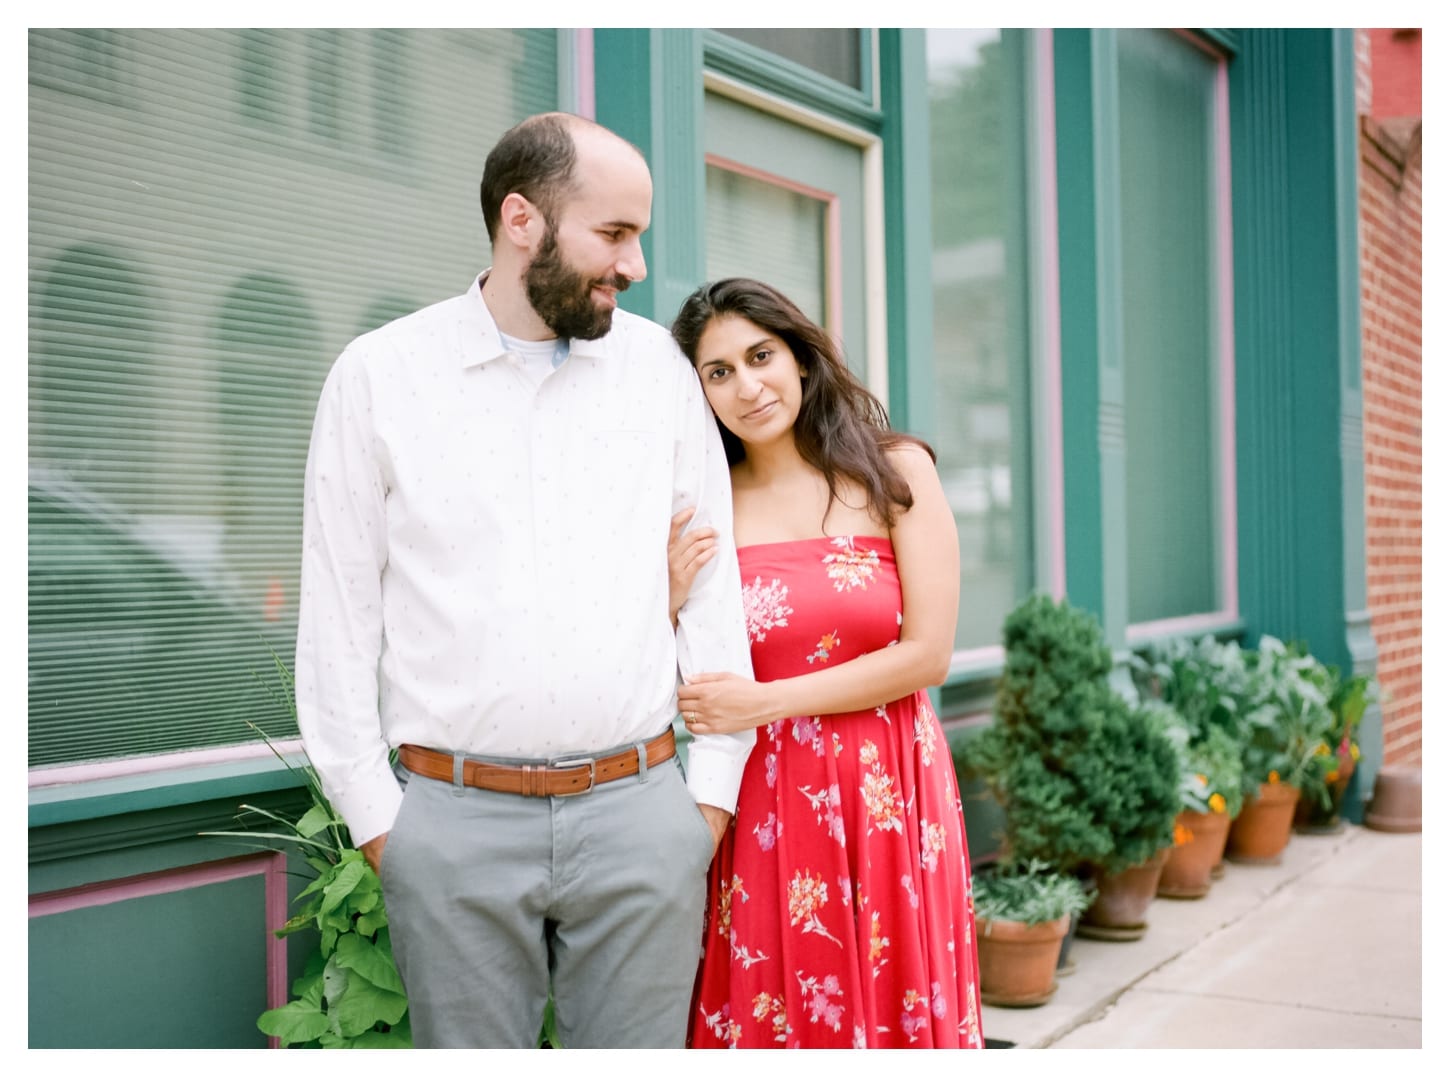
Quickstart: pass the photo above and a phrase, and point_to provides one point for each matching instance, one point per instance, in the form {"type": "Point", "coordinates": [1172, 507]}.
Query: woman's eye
{"type": "Point", "coordinates": [761, 356]}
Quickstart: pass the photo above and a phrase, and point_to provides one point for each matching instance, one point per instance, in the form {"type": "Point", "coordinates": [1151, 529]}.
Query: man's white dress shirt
{"type": "Point", "coordinates": [484, 555]}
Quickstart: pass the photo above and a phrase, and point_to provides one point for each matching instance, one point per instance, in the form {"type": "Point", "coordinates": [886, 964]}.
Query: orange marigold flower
{"type": "Point", "coordinates": [1273, 777]}
{"type": "Point", "coordinates": [1181, 834]}
{"type": "Point", "coordinates": [1217, 803]}
{"type": "Point", "coordinates": [1332, 776]}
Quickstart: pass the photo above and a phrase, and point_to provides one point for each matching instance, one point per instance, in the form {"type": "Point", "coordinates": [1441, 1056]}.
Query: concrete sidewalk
{"type": "Point", "coordinates": [1322, 950]}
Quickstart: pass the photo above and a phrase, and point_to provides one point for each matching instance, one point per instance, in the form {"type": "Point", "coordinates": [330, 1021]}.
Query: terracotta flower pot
{"type": "Point", "coordinates": [1189, 871]}
{"type": "Point", "coordinates": [1120, 910]}
{"type": "Point", "coordinates": [1017, 962]}
{"type": "Point", "coordinates": [1262, 829]}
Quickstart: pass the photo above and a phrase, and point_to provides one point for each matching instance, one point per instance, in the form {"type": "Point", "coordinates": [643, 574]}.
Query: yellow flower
{"type": "Point", "coordinates": [1323, 749]}
{"type": "Point", "coordinates": [1217, 803]}
{"type": "Point", "coordinates": [1354, 751]}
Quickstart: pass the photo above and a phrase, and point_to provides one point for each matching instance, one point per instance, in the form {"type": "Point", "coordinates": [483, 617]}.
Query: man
{"type": "Point", "coordinates": [485, 587]}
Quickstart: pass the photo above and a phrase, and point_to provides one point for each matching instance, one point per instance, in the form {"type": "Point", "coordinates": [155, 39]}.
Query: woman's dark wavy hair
{"type": "Point", "coordinates": [841, 429]}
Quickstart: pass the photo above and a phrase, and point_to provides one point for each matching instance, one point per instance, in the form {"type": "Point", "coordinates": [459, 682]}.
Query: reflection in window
{"type": "Point", "coordinates": [979, 326]}
{"type": "Point", "coordinates": [79, 61]}
{"type": "Point", "coordinates": [835, 53]}
{"type": "Point", "coordinates": [391, 87]}
{"type": "Point", "coordinates": [324, 83]}
{"type": "Point", "coordinates": [270, 373]}
{"type": "Point", "coordinates": [382, 311]}
{"type": "Point", "coordinates": [758, 229]}
{"type": "Point", "coordinates": [1166, 95]}
{"type": "Point", "coordinates": [92, 403]}
{"type": "Point", "coordinates": [259, 75]}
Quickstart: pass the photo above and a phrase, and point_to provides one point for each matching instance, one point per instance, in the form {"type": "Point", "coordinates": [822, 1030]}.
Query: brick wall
{"type": "Point", "coordinates": [1390, 282]}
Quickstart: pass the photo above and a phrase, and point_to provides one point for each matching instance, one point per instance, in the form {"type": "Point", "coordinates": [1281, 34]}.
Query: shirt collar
{"type": "Point", "coordinates": [478, 320]}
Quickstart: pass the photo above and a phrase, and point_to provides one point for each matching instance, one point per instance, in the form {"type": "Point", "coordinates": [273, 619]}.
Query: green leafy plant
{"type": "Point", "coordinates": [1291, 718]}
{"type": "Point", "coordinates": [350, 993]}
{"type": "Point", "coordinates": [1211, 684]}
{"type": "Point", "coordinates": [1084, 778]}
{"type": "Point", "coordinates": [1030, 892]}
{"type": "Point", "coordinates": [1338, 753]}
{"type": "Point", "coordinates": [1210, 776]}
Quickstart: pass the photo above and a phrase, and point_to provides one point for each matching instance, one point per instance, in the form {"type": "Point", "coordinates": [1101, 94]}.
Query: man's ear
{"type": "Point", "coordinates": [520, 222]}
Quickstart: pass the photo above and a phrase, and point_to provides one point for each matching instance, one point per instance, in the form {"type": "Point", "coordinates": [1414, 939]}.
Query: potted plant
{"type": "Point", "coordinates": [1087, 781]}
{"type": "Point", "coordinates": [1337, 756]}
{"type": "Point", "coordinates": [1023, 911]}
{"type": "Point", "coordinates": [1211, 794]}
{"type": "Point", "coordinates": [1290, 719]}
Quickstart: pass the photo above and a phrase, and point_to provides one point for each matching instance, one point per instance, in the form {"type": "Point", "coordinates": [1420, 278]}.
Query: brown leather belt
{"type": "Point", "coordinates": [565, 777]}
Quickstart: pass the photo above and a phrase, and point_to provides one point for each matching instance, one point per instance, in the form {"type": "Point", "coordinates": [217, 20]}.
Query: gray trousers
{"type": "Point", "coordinates": [493, 896]}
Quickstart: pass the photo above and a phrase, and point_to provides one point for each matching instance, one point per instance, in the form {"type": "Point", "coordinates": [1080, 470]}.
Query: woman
{"type": "Point", "coordinates": [841, 910]}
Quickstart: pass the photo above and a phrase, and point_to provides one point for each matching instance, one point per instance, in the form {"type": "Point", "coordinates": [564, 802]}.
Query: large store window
{"type": "Point", "coordinates": [214, 214]}
{"type": "Point", "coordinates": [979, 328]}
{"type": "Point", "coordinates": [1173, 330]}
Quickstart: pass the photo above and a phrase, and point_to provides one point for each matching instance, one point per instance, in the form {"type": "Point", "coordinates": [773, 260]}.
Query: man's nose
{"type": "Point", "coordinates": [631, 262]}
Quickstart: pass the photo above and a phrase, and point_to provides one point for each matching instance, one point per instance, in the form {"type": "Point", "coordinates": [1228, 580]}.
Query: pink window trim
{"type": "Point", "coordinates": [271, 866]}
{"type": "Point", "coordinates": [584, 71]}
{"type": "Point", "coordinates": [1055, 497]}
{"type": "Point", "coordinates": [832, 203]}
{"type": "Point", "coordinates": [155, 764]}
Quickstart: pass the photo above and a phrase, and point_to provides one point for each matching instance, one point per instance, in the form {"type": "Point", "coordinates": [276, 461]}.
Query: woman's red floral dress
{"type": "Point", "coordinates": [841, 910]}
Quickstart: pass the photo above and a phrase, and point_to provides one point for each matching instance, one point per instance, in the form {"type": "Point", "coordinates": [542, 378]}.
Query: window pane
{"type": "Point", "coordinates": [979, 325]}
{"type": "Point", "coordinates": [201, 248]}
{"type": "Point", "coordinates": [761, 230]}
{"type": "Point", "coordinates": [834, 53]}
{"type": "Point", "coordinates": [1169, 330]}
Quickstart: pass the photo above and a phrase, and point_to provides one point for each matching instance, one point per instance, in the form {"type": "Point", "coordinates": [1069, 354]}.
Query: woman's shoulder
{"type": "Point", "coordinates": [910, 457]}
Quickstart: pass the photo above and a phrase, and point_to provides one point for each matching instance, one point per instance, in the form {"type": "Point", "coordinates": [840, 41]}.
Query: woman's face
{"type": "Point", "coordinates": [751, 379]}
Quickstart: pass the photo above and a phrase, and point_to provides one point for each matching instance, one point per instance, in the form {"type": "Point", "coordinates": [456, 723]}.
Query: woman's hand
{"type": "Point", "coordinates": [725, 703]}
{"type": "Point", "coordinates": [688, 552]}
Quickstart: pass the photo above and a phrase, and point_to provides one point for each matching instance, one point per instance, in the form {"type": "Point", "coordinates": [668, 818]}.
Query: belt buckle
{"type": "Point", "coordinates": [560, 764]}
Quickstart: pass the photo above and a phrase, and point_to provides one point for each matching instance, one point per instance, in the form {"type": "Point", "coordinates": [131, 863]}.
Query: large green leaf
{"type": "Point", "coordinates": [368, 961]}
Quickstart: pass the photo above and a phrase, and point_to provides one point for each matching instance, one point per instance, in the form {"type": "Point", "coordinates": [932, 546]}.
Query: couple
{"type": "Point", "coordinates": [520, 534]}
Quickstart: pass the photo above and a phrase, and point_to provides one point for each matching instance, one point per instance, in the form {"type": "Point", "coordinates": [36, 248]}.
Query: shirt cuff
{"type": "Point", "coordinates": [369, 806]}
{"type": "Point", "coordinates": [714, 765]}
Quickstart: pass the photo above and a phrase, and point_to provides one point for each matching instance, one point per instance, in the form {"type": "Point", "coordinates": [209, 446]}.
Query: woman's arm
{"type": "Point", "coordinates": [928, 562]}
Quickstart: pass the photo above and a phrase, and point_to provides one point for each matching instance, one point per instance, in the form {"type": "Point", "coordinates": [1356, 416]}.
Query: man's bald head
{"type": "Point", "coordinates": [537, 158]}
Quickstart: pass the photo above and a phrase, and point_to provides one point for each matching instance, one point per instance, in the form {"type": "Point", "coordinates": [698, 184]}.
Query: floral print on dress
{"type": "Point", "coordinates": [820, 997]}
{"type": "Point", "coordinates": [926, 735]}
{"type": "Point", "coordinates": [850, 567]}
{"type": "Point", "coordinates": [807, 896]}
{"type": "Point", "coordinates": [883, 802]}
{"type": "Point", "coordinates": [827, 806]}
{"type": "Point", "coordinates": [822, 653]}
{"type": "Point", "coordinates": [879, 943]}
{"type": "Point", "coordinates": [841, 913]}
{"type": "Point", "coordinates": [772, 1009]}
{"type": "Point", "coordinates": [765, 607]}
{"type": "Point", "coordinates": [933, 844]}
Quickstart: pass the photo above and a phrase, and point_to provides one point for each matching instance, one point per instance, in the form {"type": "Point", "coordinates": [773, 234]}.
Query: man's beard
{"type": "Point", "coordinates": [561, 296]}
